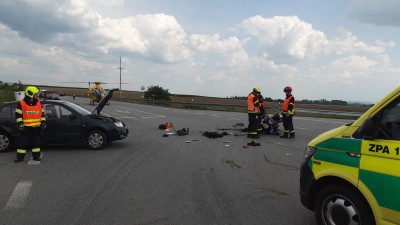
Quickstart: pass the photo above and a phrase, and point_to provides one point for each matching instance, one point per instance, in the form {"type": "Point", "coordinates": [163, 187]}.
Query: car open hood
{"type": "Point", "coordinates": [103, 102]}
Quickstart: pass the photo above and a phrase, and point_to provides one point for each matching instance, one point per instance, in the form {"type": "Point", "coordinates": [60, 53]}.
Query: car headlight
{"type": "Point", "coordinates": [308, 153]}
{"type": "Point", "coordinates": [119, 124]}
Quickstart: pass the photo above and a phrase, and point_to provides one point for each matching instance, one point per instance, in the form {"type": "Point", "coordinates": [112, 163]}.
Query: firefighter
{"type": "Point", "coordinates": [287, 113]}
{"type": "Point", "coordinates": [30, 119]}
{"type": "Point", "coordinates": [253, 110]}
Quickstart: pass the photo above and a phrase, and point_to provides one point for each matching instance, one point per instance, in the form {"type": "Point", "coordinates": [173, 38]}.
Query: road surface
{"type": "Point", "coordinates": [148, 179]}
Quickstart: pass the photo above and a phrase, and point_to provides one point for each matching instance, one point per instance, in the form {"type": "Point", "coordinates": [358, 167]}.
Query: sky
{"type": "Point", "coordinates": [327, 49]}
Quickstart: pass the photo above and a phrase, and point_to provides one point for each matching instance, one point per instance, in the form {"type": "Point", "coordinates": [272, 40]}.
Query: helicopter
{"type": "Point", "coordinates": [95, 92]}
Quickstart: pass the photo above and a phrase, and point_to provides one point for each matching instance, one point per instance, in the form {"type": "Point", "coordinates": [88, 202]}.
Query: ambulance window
{"type": "Point", "coordinates": [390, 121]}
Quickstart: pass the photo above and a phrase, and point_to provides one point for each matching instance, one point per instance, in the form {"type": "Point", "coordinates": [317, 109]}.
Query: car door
{"type": "Point", "coordinates": [7, 121]}
{"type": "Point", "coordinates": [380, 162]}
{"type": "Point", "coordinates": [62, 126]}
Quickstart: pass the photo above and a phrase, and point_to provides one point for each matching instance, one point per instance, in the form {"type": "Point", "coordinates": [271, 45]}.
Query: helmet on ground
{"type": "Point", "coordinates": [287, 88]}
{"type": "Point", "coordinates": [30, 91]}
{"type": "Point", "coordinates": [256, 89]}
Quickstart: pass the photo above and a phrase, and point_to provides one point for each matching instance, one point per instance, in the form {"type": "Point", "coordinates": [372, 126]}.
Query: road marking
{"type": "Point", "coordinates": [33, 162]}
{"type": "Point", "coordinates": [319, 120]}
{"type": "Point", "coordinates": [19, 196]}
{"type": "Point", "coordinates": [235, 119]}
{"type": "Point", "coordinates": [143, 117]}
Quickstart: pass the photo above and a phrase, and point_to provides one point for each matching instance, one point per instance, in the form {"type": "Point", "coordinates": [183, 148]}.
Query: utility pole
{"type": "Point", "coordinates": [120, 81]}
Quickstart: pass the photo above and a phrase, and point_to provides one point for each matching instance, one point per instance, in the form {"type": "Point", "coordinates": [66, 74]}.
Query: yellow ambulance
{"type": "Point", "coordinates": [351, 174]}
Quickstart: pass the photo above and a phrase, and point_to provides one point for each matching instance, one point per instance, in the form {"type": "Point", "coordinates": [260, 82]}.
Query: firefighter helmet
{"type": "Point", "coordinates": [287, 88]}
{"type": "Point", "coordinates": [31, 90]}
{"type": "Point", "coordinates": [256, 89]}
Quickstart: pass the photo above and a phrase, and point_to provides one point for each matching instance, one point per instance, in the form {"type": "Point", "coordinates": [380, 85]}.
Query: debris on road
{"type": "Point", "coordinates": [182, 131]}
{"type": "Point", "coordinates": [214, 134]}
{"type": "Point", "coordinates": [253, 144]}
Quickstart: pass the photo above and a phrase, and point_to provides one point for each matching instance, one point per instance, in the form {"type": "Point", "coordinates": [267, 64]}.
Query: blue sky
{"type": "Point", "coordinates": [335, 50]}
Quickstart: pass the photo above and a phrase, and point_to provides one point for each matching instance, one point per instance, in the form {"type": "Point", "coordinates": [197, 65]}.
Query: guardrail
{"type": "Point", "coordinates": [243, 108]}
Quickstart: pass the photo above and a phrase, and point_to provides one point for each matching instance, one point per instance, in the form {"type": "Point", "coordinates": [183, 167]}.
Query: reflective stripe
{"type": "Point", "coordinates": [22, 151]}
{"type": "Point", "coordinates": [18, 111]}
{"type": "Point", "coordinates": [35, 149]}
{"type": "Point", "coordinates": [323, 169]}
{"type": "Point", "coordinates": [335, 150]}
{"type": "Point", "coordinates": [386, 195]}
{"type": "Point", "coordinates": [341, 144]}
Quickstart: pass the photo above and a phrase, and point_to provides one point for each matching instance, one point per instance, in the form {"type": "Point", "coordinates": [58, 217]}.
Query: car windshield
{"type": "Point", "coordinates": [78, 108]}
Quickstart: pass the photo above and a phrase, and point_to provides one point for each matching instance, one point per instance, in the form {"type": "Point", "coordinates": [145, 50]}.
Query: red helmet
{"type": "Point", "coordinates": [287, 88]}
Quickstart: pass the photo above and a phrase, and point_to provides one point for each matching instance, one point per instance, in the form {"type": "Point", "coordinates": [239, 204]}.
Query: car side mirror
{"type": "Point", "coordinates": [369, 129]}
{"type": "Point", "coordinates": [72, 117]}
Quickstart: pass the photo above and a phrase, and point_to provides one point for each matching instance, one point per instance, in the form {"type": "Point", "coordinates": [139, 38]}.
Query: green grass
{"type": "Point", "coordinates": [7, 93]}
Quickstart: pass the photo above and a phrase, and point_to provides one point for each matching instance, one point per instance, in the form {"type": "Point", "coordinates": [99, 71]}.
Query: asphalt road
{"type": "Point", "coordinates": [149, 179]}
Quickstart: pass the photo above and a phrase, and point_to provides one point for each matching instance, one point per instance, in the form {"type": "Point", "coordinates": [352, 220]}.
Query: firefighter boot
{"type": "Point", "coordinates": [20, 157]}
{"type": "Point", "coordinates": [36, 156]}
{"type": "Point", "coordinates": [292, 135]}
{"type": "Point", "coordinates": [285, 135]}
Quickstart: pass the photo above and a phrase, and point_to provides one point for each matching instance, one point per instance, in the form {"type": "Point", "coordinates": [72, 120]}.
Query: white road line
{"type": "Point", "coordinates": [319, 120]}
{"type": "Point", "coordinates": [235, 119]}
{"type": "Point", "coordinates": [19, 196]}
{"type": "Point", "coordinates": [33, 162]}
{"type": "Point", "coordinates": [154, 115]}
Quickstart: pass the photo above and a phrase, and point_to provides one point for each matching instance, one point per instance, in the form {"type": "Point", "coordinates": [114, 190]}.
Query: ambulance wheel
{"type": "Point", "coordinates": [339, 205]}
{"type": "Point", "coordinates": [96, 140]}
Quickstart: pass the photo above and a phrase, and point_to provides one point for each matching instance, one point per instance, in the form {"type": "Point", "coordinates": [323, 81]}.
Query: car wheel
{"type": "Point", "coordinates": [336, 204]}
{"type": "Point", "coordinates": [6, 142]}
{"type": "Point", "coordinates": [96, 140]}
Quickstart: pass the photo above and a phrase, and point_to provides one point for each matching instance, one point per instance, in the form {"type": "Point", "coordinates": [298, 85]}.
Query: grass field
{"type": "Point", "coordinates": [7, 93]}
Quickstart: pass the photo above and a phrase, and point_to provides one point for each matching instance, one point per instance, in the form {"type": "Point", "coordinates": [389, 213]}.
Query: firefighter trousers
{"type": "Point", "coordinates": [29, 140]}
{"type": "Point", "coordinates": [253, 124]}
{"type": "Point", "coordinates": [288, 123]}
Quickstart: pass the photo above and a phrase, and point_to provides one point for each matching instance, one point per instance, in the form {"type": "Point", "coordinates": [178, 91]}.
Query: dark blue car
{"type": "Point", "coordinates": [66, 123]}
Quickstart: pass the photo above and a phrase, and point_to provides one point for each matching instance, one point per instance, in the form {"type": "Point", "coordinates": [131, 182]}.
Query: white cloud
{"type": "Point", "coordinates": [205, 43]}
{"type": "Point", "coordinates": [353, 62]}
{"type": "Point", "coordinates": [345, 42]}
{"type": "Point", "coordinates": [156, 36]}
{"type": "Point", "coordinates": [106, 3]}
{"type": "Point", "coordinates": [285, 38]}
